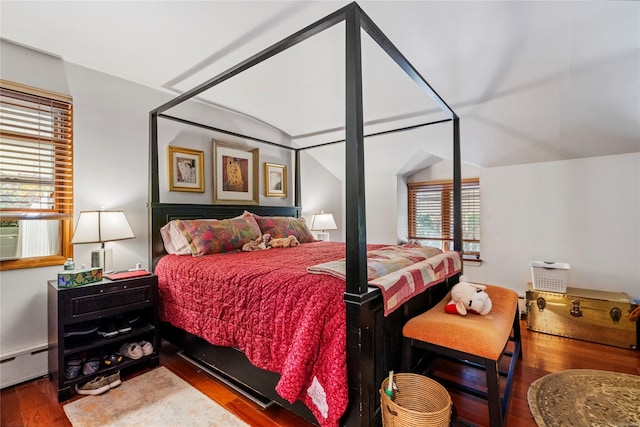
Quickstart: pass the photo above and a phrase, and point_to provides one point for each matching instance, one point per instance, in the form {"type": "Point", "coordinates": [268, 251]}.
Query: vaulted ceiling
{"type": "Point", "coordinates": [531, 81]}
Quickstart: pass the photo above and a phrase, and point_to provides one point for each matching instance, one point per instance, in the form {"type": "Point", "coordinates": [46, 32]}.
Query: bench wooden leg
{"type": "Point", "coordinates": [493, 393]}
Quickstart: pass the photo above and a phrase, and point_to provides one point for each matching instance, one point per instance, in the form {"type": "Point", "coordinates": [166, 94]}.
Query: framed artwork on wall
{"type": "Point", "coordinates": [186, 169]}
{"type": "Point", "coordinates": [275, 180]}
{"type": "Point", "coordinates": [235, 175]}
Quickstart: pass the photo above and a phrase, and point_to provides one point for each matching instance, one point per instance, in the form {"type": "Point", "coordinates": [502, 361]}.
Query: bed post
{"type": "Point", "coordinates": [154, 183]}
{"type": "Point", "coordinates": [154, 187]}
{"type": "Point", "coordinates": [457, 188]}
{"type": "Point", "coordinates": [361, 369]}
{"type": "Point", "coordinates": [297, 201]}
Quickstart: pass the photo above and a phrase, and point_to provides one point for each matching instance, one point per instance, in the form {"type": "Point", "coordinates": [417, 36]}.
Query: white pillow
{"type": "Point", "coordinates": [174, 241]}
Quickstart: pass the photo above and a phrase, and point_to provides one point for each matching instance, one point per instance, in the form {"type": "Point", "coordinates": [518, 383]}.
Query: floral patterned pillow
{"type": "Point", "coordinates": [284, 226]}
{"type": "Point", "coordinates": [207, 237]}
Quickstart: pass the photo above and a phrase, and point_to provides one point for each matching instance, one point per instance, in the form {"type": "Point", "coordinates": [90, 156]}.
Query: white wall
{"type": "Point", "coordinates": [584, 212]}
{"type": "Point", "coordinates": [321, 191]}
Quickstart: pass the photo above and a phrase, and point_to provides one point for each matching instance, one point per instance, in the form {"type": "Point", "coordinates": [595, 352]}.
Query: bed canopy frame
{"type": "Point", "coordinates": [368, 361]}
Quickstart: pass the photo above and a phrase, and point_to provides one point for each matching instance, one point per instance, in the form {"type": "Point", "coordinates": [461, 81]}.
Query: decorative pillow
{"type": "Point", "coordinates": [207, 237]}
{"type": "Point", "coordinates": [279, 227]}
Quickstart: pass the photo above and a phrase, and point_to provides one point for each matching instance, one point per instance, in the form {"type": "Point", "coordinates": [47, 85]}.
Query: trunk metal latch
{"type": "Point", "coordinates": [575, 309]}
{"type": "Point", "coordinates": [615, 314]}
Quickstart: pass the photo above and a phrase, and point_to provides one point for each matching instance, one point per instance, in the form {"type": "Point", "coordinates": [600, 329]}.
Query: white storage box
{"type": "Point", "coordinates": [550, 276]}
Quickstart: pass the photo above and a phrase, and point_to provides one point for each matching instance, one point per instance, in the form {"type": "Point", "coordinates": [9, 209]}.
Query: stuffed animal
{"type": "Point", "coordinates": [467, 297]}
{"type": "Point", "coordinates": [257, 244]}
{"type": "Point", "coordinates": [634, 314]}
{"type": "Point", "coordinates": [285, 242]}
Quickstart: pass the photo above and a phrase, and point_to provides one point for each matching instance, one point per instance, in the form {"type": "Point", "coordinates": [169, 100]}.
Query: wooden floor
{"type": "Point", "coordinates": [34, 403]}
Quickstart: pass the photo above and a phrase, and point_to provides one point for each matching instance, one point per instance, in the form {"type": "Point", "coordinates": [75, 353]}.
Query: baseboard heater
{"type": "Point", "coordinates": [247, 392]}
{"type": "Point", "coordinates": [23, 365]}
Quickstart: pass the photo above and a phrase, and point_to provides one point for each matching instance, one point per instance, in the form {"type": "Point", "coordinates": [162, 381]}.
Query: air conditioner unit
{"type": "Point", "coordinates": [8, 243]}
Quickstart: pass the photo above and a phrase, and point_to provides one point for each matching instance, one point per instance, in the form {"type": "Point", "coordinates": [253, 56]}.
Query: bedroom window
{"type": "Point", "coordinates": [431, 215]}
{"type": "Point", "coordinates": [36, 177]}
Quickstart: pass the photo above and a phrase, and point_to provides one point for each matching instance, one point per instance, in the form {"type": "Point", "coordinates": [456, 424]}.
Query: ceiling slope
{"type": "Point", "coordinates": [531, 81]}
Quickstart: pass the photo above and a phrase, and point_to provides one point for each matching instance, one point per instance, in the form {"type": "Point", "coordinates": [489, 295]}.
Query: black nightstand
{"type": "Point", "coordinates": [75, 313]}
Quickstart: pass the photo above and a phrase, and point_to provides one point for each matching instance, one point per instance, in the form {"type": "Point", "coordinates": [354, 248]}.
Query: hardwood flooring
{"type": "Point", "coordinates": [34, 403]}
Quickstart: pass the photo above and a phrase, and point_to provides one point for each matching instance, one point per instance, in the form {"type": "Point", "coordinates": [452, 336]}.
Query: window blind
{"type": "Point", "coordinates": [430, 213]}
{"type": "Point", "coordinates": [36, 154]}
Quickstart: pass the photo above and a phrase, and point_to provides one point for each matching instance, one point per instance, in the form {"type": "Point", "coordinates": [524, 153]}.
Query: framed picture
{"type": "Point", "coordinates": [186, 169]}
{"type": "Point", "coordinates": [235, 177]}
{"type": "Point", "coordinates": [275, 180]}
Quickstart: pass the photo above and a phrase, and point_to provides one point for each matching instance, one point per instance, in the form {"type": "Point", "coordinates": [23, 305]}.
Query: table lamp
{"type": "Point", "coordinates": [321, 222]}
{"type": "Point", "coordinates": [100, 227]}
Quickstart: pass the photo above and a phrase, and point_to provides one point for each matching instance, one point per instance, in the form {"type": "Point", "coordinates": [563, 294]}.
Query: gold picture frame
{"type": "Point", "coordinates": [235, 174]}
{"type": "Point", "coordinates": [275, 180]}
{"type": "Point", "coordinates": [186, 169]}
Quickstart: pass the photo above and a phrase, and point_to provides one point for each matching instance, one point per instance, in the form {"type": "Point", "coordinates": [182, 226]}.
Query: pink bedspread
{"type": "Point", "coordinates": [267, 305]}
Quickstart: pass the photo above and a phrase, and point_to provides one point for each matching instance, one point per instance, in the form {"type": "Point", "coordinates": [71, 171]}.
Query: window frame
{"type": "Point", "coordinates": [62, 142]}
{"type": "Point", "coordinates": [445, 188]}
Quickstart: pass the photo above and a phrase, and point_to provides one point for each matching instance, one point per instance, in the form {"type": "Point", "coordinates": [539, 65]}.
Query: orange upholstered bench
{"type": "Point", "coordinates": [480, 340]}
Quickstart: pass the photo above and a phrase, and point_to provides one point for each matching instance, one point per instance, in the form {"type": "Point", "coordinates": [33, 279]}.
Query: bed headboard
{"type": "Point", "coordinates": [162, 213]}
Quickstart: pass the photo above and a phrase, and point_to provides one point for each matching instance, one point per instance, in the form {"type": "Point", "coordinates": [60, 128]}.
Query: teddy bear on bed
{"type": "Point", "coordinates": [284, 242]}
{"type": "Point", "coordinates": [468, 297]}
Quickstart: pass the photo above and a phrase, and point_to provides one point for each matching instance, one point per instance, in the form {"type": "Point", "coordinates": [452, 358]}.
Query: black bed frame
{"type": "Point", "coordinates": [374, 341]}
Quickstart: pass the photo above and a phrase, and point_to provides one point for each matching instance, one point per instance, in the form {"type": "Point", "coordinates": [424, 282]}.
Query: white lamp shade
{"type": "Point", "coordinates": [101, 226]}
{"type": "Point", "coordinates": [323, 221]}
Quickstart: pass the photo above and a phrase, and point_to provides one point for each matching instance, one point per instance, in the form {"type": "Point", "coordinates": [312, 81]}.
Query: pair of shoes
{"type": "Point", "coordinates": [109, 328]}
{"type": "Point", "coordinates": [96, 386]}
{"type": "Point", "coordinates": [72, 368]}
{"type": "Point", "coordinates": [112, 359]}
{"type": "Point", "coordinates": [136, 350]}
{"type": "Point", "coordinates": [99, 384]}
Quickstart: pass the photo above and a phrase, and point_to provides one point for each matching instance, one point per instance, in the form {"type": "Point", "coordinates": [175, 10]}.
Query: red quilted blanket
{"type": "Point", "coordinates": [267, 305]}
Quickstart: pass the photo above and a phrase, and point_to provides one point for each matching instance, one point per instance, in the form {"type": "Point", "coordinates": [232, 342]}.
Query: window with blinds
{"type": "Point", "coordinates": [36, 172]}
{"type": "Point", "coordinates": [431, 214]}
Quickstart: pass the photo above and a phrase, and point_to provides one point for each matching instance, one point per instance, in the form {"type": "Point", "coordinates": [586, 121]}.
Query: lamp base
{"type": "Point", "coordinates": [102, 258]}
{"type": "Point", "coordinates": [323, 236]}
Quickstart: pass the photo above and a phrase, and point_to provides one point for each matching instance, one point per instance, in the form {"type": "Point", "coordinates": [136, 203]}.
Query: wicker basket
{"type": "Point", "coordinates": [549, 276]}
{"type": "Point", "coordinates": [418, 401]}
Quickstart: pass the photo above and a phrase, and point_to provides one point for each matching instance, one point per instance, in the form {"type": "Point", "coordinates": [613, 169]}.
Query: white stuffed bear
{"type": "Point", "coordinates": [468, 297]}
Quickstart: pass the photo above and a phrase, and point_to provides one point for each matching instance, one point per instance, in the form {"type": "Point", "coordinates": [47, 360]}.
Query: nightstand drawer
{"type": "Point", "coordinates": [122, 298]}
{"type": "Point", "coordinates": [103, 299]}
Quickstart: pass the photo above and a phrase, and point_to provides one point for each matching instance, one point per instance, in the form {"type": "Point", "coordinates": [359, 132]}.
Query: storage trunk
{"type": "Point", "coordinates": [584, 314]}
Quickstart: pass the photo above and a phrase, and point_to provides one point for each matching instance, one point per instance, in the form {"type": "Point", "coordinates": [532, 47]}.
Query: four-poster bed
{"type": "Point", "coordinates": [373, 340]}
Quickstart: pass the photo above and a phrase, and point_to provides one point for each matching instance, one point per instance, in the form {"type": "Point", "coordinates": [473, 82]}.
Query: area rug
{"type": "Point", "coordinates": [585, 397]}
{"type": "Point", "coordinates": [157, 398]}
